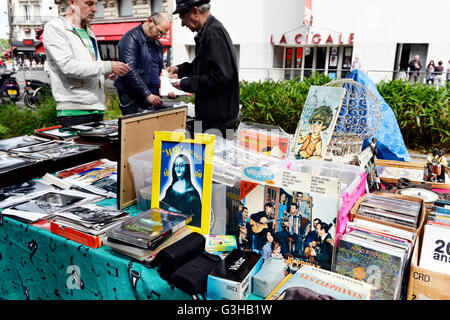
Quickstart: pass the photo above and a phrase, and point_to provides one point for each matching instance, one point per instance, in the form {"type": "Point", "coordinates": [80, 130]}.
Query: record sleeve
{"type": "Point", "coordinates": [375, 265]}
{"type": "Point", "coordinates": [145, 228]}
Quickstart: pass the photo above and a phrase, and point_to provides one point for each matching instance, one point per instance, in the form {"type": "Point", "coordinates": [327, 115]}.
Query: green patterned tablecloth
{"type": "Point", "coordinates": [37, 264]}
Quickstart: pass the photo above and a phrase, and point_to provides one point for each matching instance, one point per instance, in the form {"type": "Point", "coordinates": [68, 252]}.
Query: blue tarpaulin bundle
{"type": "Point", "coordinates": [390, 143]}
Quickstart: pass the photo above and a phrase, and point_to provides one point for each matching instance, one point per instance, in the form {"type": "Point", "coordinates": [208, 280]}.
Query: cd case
{"type": "Point", "coordinates": [148, 227]}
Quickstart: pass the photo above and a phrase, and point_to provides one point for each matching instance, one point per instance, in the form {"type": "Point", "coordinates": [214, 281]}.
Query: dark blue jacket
{"type": "Point", "coordinates": [134, 50]}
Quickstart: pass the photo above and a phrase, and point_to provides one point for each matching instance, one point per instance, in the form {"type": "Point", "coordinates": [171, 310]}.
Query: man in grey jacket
{"type": "Point", "coordinates": [75, 68]}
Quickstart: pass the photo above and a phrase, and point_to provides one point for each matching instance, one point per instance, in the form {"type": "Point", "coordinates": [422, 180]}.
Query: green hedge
{"type": "Point", "coordinates": [422, 111]}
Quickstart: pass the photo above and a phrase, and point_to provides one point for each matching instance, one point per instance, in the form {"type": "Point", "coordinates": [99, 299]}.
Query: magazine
{"type": "Point", "coordinates": [46, 203]}
{"type": "Point", "coordinates": [17, 142]}
{"type": "Point", "coordinates": [9, 163]}
{"type": "Point", "coordinates": [99, 177]}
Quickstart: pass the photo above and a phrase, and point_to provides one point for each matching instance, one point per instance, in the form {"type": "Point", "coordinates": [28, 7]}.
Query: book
{"type": "Point", "coordinates": [144, 229]}
{"type": "Point", "coordinates": [311, 283]}
{"type": "Point", "coordinates": [92, 241]}
{"type": "Point", "coordinates": [146, 255]}
{"type": "Point", "coordinates": [375, 263]}
{"type": "Point", "coordinates": [435, 249]}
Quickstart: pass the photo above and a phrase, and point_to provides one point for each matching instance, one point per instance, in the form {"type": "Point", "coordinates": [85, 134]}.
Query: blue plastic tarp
{"type": "Point", "coordinates": [390, 143]}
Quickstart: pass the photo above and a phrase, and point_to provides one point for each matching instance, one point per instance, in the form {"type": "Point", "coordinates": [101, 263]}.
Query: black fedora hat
{"type": "Point", "coordinates": [186, 4]}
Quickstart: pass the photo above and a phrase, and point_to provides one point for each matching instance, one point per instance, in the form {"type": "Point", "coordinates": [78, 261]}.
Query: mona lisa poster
{"type": "Point", "coordinates": [182, 175]}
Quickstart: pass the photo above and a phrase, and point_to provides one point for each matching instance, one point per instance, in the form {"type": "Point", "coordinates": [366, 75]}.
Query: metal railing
{"type": "Point", "coordinates": [31, 19]}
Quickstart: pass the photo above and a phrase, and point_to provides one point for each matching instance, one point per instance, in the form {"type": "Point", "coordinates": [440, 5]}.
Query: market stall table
{"type": "Point", "coordinates": [36, 264]}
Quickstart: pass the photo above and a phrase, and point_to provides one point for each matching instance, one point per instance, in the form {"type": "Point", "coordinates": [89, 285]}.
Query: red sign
{"type": "Point", "coordinates": [316, 38]}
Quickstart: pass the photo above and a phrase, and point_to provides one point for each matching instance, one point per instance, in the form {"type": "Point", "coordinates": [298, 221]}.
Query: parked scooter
{"type": "Point", "coordinates": [34, 91]}
{"type": "Point", "coordinates": [9, 87]}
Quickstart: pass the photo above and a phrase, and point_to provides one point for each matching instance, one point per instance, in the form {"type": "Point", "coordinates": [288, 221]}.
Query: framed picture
{"type": "Point", "coordinates": [317, 122]}
{"type": "Point", "coordinates": [334, 50]}
{"type": "Point", "coordinates": [182, 176]}
{"type": "Point", "coordinates": [333, 61]}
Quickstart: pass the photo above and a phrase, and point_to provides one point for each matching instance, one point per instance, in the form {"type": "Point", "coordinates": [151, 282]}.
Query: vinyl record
{"type": "Point", "coordinates": [426, 195]}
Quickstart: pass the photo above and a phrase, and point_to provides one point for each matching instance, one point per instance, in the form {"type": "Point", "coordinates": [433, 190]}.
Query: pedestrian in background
{"type": "Point", "coordinates": [439, 74]}
{"type": "Point", "coordinates": [430, 72]}
{"type": "Point", "coordinates": [414, 69]}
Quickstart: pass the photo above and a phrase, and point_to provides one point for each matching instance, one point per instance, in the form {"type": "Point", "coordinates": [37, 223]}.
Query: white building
{"type": "Point", "coordinates": [27, 19]}
{"type": "Point", "coordinates": [282, 39]}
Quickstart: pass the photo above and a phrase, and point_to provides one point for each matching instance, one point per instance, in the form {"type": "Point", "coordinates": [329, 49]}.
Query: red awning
{"type": "Point", "coordinates": [40, 48]}
{"type": "Point", "coordinates": [115, 31]}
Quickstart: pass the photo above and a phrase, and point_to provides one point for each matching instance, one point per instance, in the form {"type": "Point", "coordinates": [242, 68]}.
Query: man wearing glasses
{"type": "Point", "coordinates": [141, 49]}
{"type": "Point", "coordinates": [213, 74]}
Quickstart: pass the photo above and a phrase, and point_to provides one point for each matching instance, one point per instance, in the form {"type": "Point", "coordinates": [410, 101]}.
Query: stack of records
{"type": "Point", "coordinates": [143, 235]}
{"type": "Point", "coordinates": [377, 254]}
{"type": "Point", "coordinates": [435, 251]}
{"type": "Point", "coordinates": [87, 223]}
{"type": "Point", "coordinates": [393, 210]}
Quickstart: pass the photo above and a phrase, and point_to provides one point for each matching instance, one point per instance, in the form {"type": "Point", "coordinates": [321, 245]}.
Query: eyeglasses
{"type": "Point", "coordinates": [160, 33]}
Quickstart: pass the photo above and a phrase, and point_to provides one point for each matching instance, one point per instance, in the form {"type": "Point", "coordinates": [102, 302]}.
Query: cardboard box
{"type": "Point", "coordinates": [354, 212]}
{"type": "Point", "coordinates": [232, 278]}
{"type": "Point", "coordinates": [425, 284]}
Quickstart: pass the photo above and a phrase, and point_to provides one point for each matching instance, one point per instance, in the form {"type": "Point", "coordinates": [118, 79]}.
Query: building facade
{"type": "Point", "coordinates": [26, 21]}
{"type": "Point", "coordinates": [285, 39]}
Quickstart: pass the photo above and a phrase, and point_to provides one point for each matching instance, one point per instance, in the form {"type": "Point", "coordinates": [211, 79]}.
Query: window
{"type": "Point", "coordinates": [100, 14]}
{"type": "Point", "coordinates": [237, 50]}
{"type": "Point", "coordinates": [156, 5]}
{"type": "Point", "coordinates": [125, 8]}
{"type": "Point", "coordinates": [27, 10]}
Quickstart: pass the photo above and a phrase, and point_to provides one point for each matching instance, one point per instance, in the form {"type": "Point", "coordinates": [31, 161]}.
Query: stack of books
{"type": "Point", "coordinates": [435, 250]}
{"type": "Point", "coordinates": [86, 224]}
{"type": "Point", "coordinates": [143, 236]}
{"type": "Point", "coordinates": [377, 254]}
{"type": "Point", "coordinates": [394, 210]}
{"type": "Point", "coordinates": [311, 283]}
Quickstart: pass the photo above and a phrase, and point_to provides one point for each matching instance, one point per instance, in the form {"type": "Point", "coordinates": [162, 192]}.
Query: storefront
{"type": "Point", "coordinates": [109, 34]}
{"type": "Point", "coordinates": [284, 39]}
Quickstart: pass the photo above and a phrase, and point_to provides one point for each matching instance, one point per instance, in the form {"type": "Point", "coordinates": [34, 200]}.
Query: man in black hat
{"type": "Point", "coordinates": [213, 75]}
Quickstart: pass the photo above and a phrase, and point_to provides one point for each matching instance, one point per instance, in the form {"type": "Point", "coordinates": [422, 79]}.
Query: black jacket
{"type": "Point", "coordinates": [134, 50]}
{"type": "Point", "coordinates": [213, 77]}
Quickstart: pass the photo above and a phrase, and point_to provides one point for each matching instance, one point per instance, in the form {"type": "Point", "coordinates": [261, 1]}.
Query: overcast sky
{"type": "Point", "coordinates": [3, 19]}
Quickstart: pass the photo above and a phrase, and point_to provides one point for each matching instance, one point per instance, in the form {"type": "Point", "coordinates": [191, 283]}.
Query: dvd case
{"type": "Point", "coordinates": [147, 228]}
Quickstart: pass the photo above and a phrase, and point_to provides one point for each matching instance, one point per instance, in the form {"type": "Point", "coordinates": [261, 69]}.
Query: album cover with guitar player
{"type": "Point", "coordinates": [288, 214]}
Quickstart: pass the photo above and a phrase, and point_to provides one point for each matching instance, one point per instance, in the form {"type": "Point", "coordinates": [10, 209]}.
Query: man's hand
{"type": "Point", "coordinates": [154, 100]}
{"type": "Point", "coordinates": [263, 220]}
{"type": "Point", "coordinates": [177, 85]}
{"type": "Point", "coordinates": [172, 95]}
{"type": "Point", "coordinates": [112, 76]}
{"type": "Point", "coordinates": [119, 68]}
{"type": "Point", "coordinates": [173, 72]}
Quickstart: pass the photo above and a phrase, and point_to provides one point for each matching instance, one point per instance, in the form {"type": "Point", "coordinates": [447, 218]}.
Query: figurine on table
{"type": "Point", "coordinates": [435, 169]}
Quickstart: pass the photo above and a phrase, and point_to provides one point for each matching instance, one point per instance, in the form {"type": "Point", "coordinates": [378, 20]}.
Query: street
{"type": "Point", "coordinates": [41, 75]}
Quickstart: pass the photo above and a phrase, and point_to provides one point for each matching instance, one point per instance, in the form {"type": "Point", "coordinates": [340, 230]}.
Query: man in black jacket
{"type": "Point", "coordinates": [213, 74]}
{"type": "Point", "coordinates": [143, 52]}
